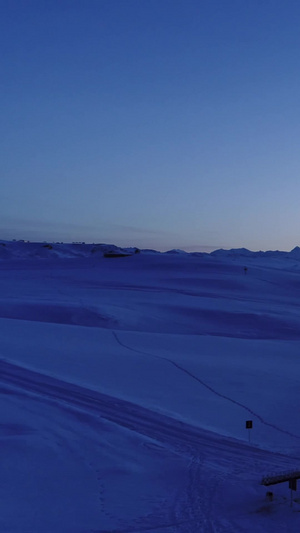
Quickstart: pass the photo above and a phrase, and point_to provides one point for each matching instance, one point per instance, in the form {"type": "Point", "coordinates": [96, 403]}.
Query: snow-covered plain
{"type": "Point", "coordinates": [126, 383]}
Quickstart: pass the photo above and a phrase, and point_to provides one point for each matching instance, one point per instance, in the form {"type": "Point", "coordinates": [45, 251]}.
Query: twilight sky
{"type": "Point", "coordinates": [154, 123]}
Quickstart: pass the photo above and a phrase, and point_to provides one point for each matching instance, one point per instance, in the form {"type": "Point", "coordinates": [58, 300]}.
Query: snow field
{"type": "Point", "coordinates": [125, 387]}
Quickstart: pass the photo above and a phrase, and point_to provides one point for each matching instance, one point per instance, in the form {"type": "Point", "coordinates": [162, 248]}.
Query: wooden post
{"type": "Point", "coordinates": [292, 486]}
{"type": "Point", "coordinates": [249, 425]}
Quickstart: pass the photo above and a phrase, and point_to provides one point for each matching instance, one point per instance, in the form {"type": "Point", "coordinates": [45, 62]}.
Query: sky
{"type": "Point", "coordinates": [151, 123]}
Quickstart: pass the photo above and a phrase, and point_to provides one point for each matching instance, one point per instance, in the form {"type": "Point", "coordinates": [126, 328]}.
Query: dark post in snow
{"type": "Point", "coordinates": [292, 486]}
{"type": "Point", "coordinates": [249, 425]}
{"type": "Point", "coordinates": [245, 270]}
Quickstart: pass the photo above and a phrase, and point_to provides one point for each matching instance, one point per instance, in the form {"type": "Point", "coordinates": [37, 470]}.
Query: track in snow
{"type": "Point", "coordinates": [210, 457]}
{"type": "Point", "coordinates": [164, 429]}
{"type": "Point", "coordinates": [207, 386]}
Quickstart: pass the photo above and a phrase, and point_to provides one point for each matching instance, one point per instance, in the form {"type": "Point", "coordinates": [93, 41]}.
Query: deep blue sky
{"type": "Point", "coordinates": [155, 123]}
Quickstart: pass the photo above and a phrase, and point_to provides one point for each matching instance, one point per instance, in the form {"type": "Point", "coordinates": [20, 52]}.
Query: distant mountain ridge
{"type": "Point", "coordinates": [244, 252]}
{"type": "Point", "coordinates": [27, 249]}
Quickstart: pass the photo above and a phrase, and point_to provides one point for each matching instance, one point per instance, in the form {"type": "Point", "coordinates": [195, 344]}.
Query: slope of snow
{"type": "Point", "coordinates": [126, 384]}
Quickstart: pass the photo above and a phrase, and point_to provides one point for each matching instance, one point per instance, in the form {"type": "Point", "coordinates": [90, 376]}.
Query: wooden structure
{"type": "Point", "coordinates": [280, 478]}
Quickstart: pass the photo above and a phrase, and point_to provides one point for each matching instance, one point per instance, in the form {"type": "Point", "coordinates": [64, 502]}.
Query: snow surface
{"type": "Point", "coordinates": [126, 383]}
